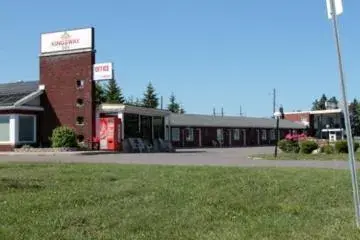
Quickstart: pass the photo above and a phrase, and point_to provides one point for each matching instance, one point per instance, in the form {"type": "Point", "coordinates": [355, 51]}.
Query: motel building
{"type": "Point", "coordinates": [64, 95]}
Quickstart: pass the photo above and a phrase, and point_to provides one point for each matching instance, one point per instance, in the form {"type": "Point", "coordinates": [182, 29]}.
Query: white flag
{"type": "Point", "coordinates": [338, 7]}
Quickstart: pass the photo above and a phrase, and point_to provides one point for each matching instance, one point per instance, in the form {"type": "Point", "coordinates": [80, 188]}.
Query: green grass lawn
{"type": "Point", "coordinates": [300, 156]}
{"type": "Point", "coordinates": [79, 201]}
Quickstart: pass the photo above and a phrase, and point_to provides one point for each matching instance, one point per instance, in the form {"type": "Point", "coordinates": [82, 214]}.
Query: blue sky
{"type": "Point", "coordinates": [211, 53]}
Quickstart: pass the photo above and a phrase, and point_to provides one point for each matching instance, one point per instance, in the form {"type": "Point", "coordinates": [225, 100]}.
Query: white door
{"type": "Point", "coordinates": [332, 137]}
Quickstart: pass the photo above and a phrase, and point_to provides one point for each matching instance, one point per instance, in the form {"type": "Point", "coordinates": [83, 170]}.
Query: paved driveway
{"type": "Point", "coordinates": [220, 157]}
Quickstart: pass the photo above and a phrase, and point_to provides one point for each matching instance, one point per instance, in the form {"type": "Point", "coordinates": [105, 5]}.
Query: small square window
{"type": "Point", "coordinates": [80, 138]}
{"type": "Point", "coordinates": [79, 102]}
{"type": "Point", "coordinates": [80, 120]}
{"type": "Point", "coordinates": [80, 83]}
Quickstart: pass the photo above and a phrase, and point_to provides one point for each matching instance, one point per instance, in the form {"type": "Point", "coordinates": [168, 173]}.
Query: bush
{"type": "Point", "coordinates": [308, 146]}
{"type": "Point", "coordinates": [288, 146]}
{"type": "Point", "coordinates": [342, 147]}
{"type": "Point", "coordinates": [328, 149]}
{"type": "Point", "coordinates": [63, 137]}
{"type": "Point", "coordinates": [356, 146]}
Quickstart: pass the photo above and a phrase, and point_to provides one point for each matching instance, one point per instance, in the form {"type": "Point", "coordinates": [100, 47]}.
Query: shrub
{"type": "Point", "coordinates": [328, 149]}
{"type": "Point", "coordinates": [63, 137]}
{"type": "Point", "coordinates": [342, 147]}
{"type": "Point", "coordinates": [288, 146]}
{"type": "Point", "coordinates": [308, 146]}
{"type": "Point", "coordinates": [356, 146]}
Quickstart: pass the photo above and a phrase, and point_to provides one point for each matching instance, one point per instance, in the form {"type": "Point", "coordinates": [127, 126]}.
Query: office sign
{"type": "Point", "coordinates": [103, 71]}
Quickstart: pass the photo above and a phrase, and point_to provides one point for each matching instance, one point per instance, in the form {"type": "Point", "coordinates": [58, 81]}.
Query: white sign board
{"type": "Point", "coordinates": [103, 71]}
{"type": "Point", "coordinates": [67, 40]}
{"type": "Point", "coordinates": [338, 7]}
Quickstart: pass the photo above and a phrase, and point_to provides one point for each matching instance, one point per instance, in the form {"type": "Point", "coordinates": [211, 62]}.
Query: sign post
{"type": "Point", "coordinates": [334, 8]}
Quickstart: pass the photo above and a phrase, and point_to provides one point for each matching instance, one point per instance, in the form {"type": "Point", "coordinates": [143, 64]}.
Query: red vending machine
{"type": "Point", "coordinates": [110, 133]}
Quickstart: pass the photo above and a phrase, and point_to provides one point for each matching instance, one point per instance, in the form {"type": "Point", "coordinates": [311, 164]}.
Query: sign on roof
{"type": "Point", "coordinates": [103, 71]}
{"type": "Point", "coordinates": [66, 41]}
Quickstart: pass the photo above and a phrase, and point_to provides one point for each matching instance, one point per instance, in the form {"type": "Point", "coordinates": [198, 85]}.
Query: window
{"type": "Point", "coordinates": [272, 134]}
{"type": "Point", "coordinates": [263, 134]}
{"type": "Point", "coordinates": [237, 134]}
{"type": "Point", "coordinates": [4, 128]}
{"type": "Point", "coordinates": [80, 138]}
{"type": "Point", "coordinates": [80, 120]}
{"type": "Point", "coordinates": [219, 134]}
{"type": "Point", "coordinates": [80, 83]}
{"type": "Point", "coordinates": [79, 102]}
{"type": "Point", "coordinates": [189, 133]}
{"type": "Point", "coordinates": [27, 128]}
{"type": "Point", "coordinates": [175, 134]}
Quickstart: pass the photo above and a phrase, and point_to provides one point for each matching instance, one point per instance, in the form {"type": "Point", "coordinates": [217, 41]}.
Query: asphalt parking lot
{"type": "Point", "coordinates": [213, 157]}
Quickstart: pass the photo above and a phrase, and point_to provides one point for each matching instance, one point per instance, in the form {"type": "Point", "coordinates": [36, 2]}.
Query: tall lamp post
{"type": "Point", "coordinates": [334, 8]}
{"type": "Point", "coordinates": [277, 115]}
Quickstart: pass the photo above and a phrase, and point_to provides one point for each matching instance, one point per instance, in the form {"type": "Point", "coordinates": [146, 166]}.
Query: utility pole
{"type": "Point", "coordinates": [222, 111]}
{"type": "Point", "coordinates": [214, 112]}
{"type": "Point", "coordinates": [274, 102]}
{"type": "Point", "coordinates": [240, 111]}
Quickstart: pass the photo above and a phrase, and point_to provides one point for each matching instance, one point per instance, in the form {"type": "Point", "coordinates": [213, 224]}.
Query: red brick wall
{"type": "Point", "coordinates": [59, 75]}
{"type": "Point", "coordinates": [296, 117]}
{"type": "Point", "coordinates": [6, 148]}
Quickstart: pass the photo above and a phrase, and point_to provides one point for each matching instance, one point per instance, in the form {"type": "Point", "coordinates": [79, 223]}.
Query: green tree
{"type": "Point", "coordinates": [173, 105]}
{"type": "Point", "coordinates": [320, 104]}
{"type": "Point", "coordinates": [113, 93]}
{"type": "Point", "coordinates": [99, 94]}
{"type": "Point", "coordinates": [150, 99]}
{"type": "Point", "coordinates": [354, 111]}
{"type": "Point", "coordinates": [133, 102]}
{"type": "Point", "coordinates": [333, 100]}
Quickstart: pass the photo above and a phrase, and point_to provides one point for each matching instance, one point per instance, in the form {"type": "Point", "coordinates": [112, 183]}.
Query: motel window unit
{"type": "Point", "coordinates": [189, 134]}
{"type": "Point", "coordinates": [80, 138]}
{"type": "Point", "coordinates": [175, 134]}
{"type": "Point", "coordinates": [237, 134]}
{"type": "Point", "coordinates": [80, 83]}
{"type": "Point", "coordinates": [219, 134]}
{"type": "Point", "coordinates": [263, 134]}
{"type": "Point", "coordinates": [272, 134]}
{"type": "Point", "coordinates": [80, 121]}
{"type": "Point", "coordinates": [4, 128]}
{"type": "Point", "coordinates": [27, 128]}
{"type": "Point", "coordinates": [79, 102]}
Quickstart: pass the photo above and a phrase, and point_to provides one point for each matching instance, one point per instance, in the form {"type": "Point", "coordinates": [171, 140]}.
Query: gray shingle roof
{"type": "Point", "coordinates": [194, 120]}
{"type": "Point", "coordinates": [12, 92]}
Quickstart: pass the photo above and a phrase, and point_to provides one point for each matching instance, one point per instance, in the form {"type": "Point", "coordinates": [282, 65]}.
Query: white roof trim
{"type": "Point", "coordinates": [26, 108]}
{"type": "Point", "coordinates": [328, 111]}
{"type": "Point", "coordinates": [121, 108]}
{"type": "Point", "coordinates": [28, 98]}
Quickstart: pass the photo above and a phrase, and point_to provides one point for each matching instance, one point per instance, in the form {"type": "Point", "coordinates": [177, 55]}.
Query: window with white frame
{"type": "Point", "coordinates": [175, 134]}
{"type": "Point", "coordinates": [189, 133]}
{"type": "Point", "coordinates": [4, 128]}
{"type": "Point", "coordinates": [272, 134]}
{"type": "Point", "coordinates": [263, 134]}
{"type": "Point", "coordinates": [27, 128]}
{"type": "Point", "coordinates": [237, 134]}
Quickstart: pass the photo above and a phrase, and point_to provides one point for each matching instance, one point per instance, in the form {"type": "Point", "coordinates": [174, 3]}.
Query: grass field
{"type": "Point", "coordinates": [300, 156]}
{"type": "Point", "coordinates": [69, 201]}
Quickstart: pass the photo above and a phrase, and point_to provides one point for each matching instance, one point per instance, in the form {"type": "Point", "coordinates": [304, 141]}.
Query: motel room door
{"type": "Point", "coordinates": [197, 138]}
